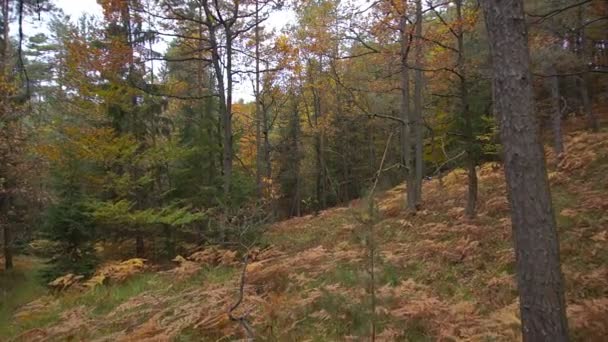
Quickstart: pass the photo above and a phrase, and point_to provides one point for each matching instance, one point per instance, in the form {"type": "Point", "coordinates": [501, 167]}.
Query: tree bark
{"type": "Point", "coordinates": [406, 139]}
{"type": "Point", "coordinates": [267, 160]}
{"type": "Point", "coordinates": [556, 113]}
{"type": "Point", "coordinates": [140, 249]}
{"type": "Point", "coordinates": [321, 184]}
{"type": "Point", "coordinates": [6, 230]}
{"type": "Point", "coordinates": [227, 117]}
{"type": "Point", "coordinates": [258, 120]}
{"type": "Point", "coordinates": [207, 110]}
{"type": "Point", "coordinates": [224, 89]}
{"type": "Point", "coordinates": [4, 191]}
{"type": "Point", "coordinates": [592, 123]}
{"type": "Point", "coordinates": [8, 251]}
{"type": "Point", "coordinates": [471, 161]}
{"type": "Point", "coordinates": [5, 38]}
{"type": "Point", "coordinates": [417, 118]}
{"type": "Point", "coordinates": [539, 278]}
{"type": "Point", "coordinates": [296, 142]}
{"type": "Point", "coordinates": [583, 80]}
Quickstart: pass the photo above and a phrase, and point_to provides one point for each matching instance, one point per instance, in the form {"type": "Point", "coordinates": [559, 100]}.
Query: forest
{"type": "Point", "coordinates": [304, 170]}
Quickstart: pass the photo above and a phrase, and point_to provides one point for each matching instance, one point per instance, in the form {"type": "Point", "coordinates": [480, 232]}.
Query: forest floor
{"type": "Point", "coordinates": [437, 275]}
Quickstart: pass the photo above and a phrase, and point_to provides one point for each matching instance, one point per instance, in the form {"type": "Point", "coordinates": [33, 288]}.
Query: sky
{"type": "Point", "coordinates": [76, 8]}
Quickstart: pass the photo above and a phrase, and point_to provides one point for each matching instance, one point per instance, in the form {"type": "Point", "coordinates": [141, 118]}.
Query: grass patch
{"type": "Point", "coordinates": [345, 274]}
{"type": "Point", "coordinates": [390, 274]}
{"type": "Point", "coordinates": [18, 287]}
{"type": "Point", "coordinates": [99, 301]}
{"type": "Point", "coordinates": [103, 299]}
{"type": "Point", "coordinates": [348, 317]}
{"type": "Point", "coordinates": [562, 198]}
{"type": "Point", "coordinates": [190, 335]}
{"type": "Point", "coordinates": [297, 240]}
{"type": "Point", "coordinates": [35, 320]}
{"type": "Point", "coordinates": [207, 275]}
{"type": "Point", "coordinates": [415, 270]}
{"type": "Point", "coordinates": [312, 232]}
{"type": "Point", "coordinates": [416, 331]}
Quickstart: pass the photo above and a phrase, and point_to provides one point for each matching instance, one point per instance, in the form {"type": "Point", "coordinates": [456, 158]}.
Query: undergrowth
{"type": "Point", "coordinates": [438, 275]}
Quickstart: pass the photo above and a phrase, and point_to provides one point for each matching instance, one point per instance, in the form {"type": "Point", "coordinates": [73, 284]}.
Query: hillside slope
{"type": "Point", "coordinates": [438, 276]}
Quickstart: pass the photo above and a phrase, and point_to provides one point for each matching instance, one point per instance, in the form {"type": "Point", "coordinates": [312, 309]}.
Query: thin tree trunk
{"type": "Point", "coordinates": [6, 231]}
{"type": "Point", "coordinates": [224, 90]}
{"type": "Point", "coordinates": [8, 251]}
{"type": "Point", "coordinates": [227, 122]}
{"type": "Point", "coordinates": [539, 277]}
{"type": "Point", "coordinates": [258, 120]}
{"type": "Point", "coordinates": [556, 113]}
{"type": "Point", "coordinates": [592, 123]}
{"type": "Point", "coordinates": [210, 124]}
{"type": "Point", "coordinates": [321, 190]}
{"type": "Point", "coordinates": [5, 39]}
{"type": "Point", "coordinates": [4, 197]}
{"type": "Point", "coordinates": [417, 119]}
{"type": "Point", "coordinates": [207, 112]}
{"type": "Point", "coordinates": [169, 241]}
{"type": "Point", "coordinates": [296, 137]}
{"type": "Point", "coordinates": [372, 145]}
{"type": "Point", "coordinates": [267, 161]}
{"type": "Point", "coordinates": [406, 138]}
{"type": "Point", "coordinates": [140, 249]}
{"type": "Point", "coordinates": [583, 80]}
{"type": "Point", "coordinates": [471, 162]}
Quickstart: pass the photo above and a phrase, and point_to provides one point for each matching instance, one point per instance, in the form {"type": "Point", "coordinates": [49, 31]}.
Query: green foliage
{"type": "Point", "coordinates": [490, 147]}
{"type": "Point", "coordinates": [69, 223]}
{"type": "Point", "coordinates": [122, 212]}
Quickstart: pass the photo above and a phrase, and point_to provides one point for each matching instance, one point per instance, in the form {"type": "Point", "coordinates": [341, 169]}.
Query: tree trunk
{"type": "Point", "coordinates": [169, 241]}
{"type": "Point", "coordinates": [6, 231]}
{"type": "Point", "coordinates": [267, 160]}
{"type": "Point", "coordinates": [583, 80]}
{"type": "Point", "coordinates": [296, 140]}
{"type": "Point", "coordinates": [140, 249]}
{"type": "Point", "coordinates": [258, 120]}
{"type": "Point", "coordinates": [471, 162]}
{"type": "Point", "coordinates": [210, 122]}
{"type": "Point", "coordinates": [556, 113]}
{"type": "Point", "coordinates": [5, 39]}
{"type": "Point", "coordinates": [227, 117]}
{"type": "Point", "coordinates": [592, 123]}
{"type": "Point", "coordinates": [8, 251]}
{"type": "Point", "coordinates": [417, 119]}
{"type": "Point", "coordinates": [539, 278]}
{"type": "Point", "coordinates": [406, 139]}
{"type": "Point", "coordinates": [4, 197]}
{"type": "Point", "coordinates": [207, 110]}
{"type": "Point", "coordinates": [372, 145]}
{"type": "Point", "coordinates": [224, 90]}
{"type": "Point", "coordinates": [321, 190]}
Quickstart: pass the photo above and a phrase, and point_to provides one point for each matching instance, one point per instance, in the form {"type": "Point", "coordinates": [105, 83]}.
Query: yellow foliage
{"type": "Point", "coordinates": [65, 282]}
{"type": "Point", "coordinates": [213, 256]}
{"type": "Point", "coordinates": [116, 272]}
